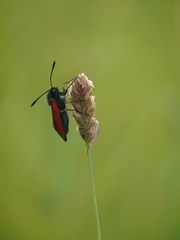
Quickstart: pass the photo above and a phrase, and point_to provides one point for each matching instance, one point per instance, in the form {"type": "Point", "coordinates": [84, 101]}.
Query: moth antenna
{"type": "Point", "coordinates": [39, 98]}
{"type": "Point", "coordinates": [52, 69]}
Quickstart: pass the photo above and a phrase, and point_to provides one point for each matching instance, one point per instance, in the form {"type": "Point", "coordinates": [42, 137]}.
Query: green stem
{"type": "Point", "coordinates": [93, 192]}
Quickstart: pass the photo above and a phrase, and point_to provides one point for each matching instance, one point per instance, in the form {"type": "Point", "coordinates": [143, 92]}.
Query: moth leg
{"type": "Point", "coordinates": [69, 109]}
{"type": "Point", "coordinates": [69, 81]}
{"type": "Point", "coordinates": [76, 101]}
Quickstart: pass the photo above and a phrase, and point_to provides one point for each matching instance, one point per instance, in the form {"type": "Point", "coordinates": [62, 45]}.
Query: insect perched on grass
{"type": "Point", "coordinates": [57, 101]}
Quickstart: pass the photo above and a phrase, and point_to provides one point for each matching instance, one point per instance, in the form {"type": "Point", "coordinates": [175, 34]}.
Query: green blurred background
{"type": "Point", "coordinates": [130, 50]}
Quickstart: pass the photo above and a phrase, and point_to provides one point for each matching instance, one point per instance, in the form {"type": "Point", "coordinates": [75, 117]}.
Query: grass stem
{"type": "Point", "coordinates": [93, 193]}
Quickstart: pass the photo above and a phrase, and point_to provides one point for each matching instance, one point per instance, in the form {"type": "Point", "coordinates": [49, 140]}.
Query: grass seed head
{"type": "Point", "coordinates": [84, 108]}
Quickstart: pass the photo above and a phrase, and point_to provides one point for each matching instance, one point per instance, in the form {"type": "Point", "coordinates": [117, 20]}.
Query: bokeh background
{"type": "Point", "coordinates": [130, 50]}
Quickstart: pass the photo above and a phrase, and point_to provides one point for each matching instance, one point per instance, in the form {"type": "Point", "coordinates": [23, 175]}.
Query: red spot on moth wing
{"type": "Point", "coordinates": [57, 120]}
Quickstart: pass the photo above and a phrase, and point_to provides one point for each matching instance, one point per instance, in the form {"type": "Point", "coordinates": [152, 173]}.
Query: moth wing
{"type": "Point", "coordinates": [57, 122]}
